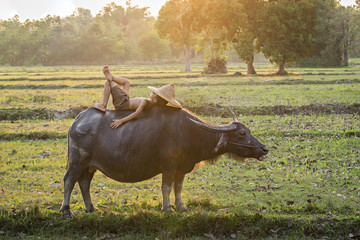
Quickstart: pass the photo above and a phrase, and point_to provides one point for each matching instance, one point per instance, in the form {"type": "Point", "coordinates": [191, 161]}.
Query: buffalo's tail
{"type": "Point", "coordinates": [68, 137]}
{"type": "Point", "coordinates": [68, 150]}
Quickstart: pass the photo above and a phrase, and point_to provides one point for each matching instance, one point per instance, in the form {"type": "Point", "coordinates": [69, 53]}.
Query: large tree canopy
{"type": "Point", "coordinates": [217, 21]}
{"type": "Point", "coordinates": [327, 52]}
{"type": "Point", "coordinates": [354, 47]}
{"type": "Point", "coordinates": [170, 25]}
{"type": "Point", "coordinates": [287, 30]}
{"type": "Point", "coordinates": [244, 43]}
{"type": "Point", "coordinates": [337, 35]}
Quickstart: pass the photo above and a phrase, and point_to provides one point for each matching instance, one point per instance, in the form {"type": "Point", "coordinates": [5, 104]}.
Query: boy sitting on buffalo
{"type": "Point", "coordinates": [160, 96]}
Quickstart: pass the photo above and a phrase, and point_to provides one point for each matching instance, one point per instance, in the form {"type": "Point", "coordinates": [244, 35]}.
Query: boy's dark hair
{"type": "Point", "coordinates": [160, 101]}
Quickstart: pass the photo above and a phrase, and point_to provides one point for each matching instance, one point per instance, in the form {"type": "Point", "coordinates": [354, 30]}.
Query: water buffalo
{"type": "Point", "coordinates": [162, 140]}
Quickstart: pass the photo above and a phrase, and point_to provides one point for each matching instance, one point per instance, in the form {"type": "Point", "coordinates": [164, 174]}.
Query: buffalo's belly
{"type": "Point", "coordinates": [123, 173]}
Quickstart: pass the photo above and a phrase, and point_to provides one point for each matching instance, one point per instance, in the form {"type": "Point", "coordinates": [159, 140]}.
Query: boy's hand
{"type": "Point", "coordinates": [116, 123]}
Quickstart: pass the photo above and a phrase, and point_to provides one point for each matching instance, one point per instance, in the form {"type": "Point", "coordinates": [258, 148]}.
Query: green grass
{"type": "Point", "coordinates": [354, 60]}
{"type": "Point", "coordinates": [193, 96]}
{"type": "Point", "coordinates": [306, 188]}
{"type": "Point", "coordinates": [327, 125]}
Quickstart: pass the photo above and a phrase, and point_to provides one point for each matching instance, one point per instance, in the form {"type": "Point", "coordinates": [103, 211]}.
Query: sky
{"type": "Point", "coordinates": [36, 9]}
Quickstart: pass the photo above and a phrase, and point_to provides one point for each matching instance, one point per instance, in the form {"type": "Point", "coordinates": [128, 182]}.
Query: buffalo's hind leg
{"type": "Point", "coordinates": [71, 177]}
{"type": "Point", "coordinates": [84, 183]}
{"type": "Point", "coordinates": [76, 167]}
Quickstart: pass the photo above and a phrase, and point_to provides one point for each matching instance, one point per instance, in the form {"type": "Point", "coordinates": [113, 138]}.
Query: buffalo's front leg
{"type": "Point", "coordinates": [167, 182]}
{"type": "Point", "coordinates": [179, 179]}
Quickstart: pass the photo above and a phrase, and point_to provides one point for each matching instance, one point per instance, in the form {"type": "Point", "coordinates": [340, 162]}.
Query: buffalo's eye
{"type": "Point", "coordinates": [242, 133]}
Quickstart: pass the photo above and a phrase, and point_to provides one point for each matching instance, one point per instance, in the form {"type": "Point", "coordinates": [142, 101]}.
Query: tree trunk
{"type": "Point", "coordinates": [250, 66]}
{"type": "Point", "coordinates": [282, 68]}
{"type": "Point", "coordinates": [346, 41]}
{"type": "Point", "coordinates": [187, 59]}
{"type": "Point", "coordinates": [346, 54]}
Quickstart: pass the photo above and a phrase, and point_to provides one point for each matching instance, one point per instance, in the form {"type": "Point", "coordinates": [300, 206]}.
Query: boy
{"type": "Point", "coordinates": [162, 96]}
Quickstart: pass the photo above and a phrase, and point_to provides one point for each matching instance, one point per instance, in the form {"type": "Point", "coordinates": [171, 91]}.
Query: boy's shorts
{"type": "Point", "coordinates": [120, 98]}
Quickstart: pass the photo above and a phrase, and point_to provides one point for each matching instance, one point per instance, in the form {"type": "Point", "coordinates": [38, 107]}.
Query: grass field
{"type": "Point", "coordinates": [307, 187]}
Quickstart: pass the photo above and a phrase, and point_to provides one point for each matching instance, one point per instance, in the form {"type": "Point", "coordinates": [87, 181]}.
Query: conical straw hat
{"type": "Point", "coordinates": [167, 92]}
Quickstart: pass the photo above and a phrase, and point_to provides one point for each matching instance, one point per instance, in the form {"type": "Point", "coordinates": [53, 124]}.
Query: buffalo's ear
{"type": "Point", "coordinates": [222, 142]}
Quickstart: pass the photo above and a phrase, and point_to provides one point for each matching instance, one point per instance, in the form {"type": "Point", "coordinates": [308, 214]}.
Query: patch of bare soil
{"type": "Point", "coordinates": [18, 114]}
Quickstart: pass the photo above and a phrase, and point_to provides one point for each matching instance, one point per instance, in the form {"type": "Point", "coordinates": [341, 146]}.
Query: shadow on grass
{"type": "Point", "coordinates": [206, 220]}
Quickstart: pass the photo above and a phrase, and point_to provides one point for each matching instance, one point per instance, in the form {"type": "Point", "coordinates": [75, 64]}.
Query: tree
{"type": "Point", "coordinates": [354, 46]}
{"type": "Point", "coordinates": [218, 21]}
{"type": "Point", "coordinates": [327, 51]}
{"type": "Point", "coordinates": [337, 33]}
{"type": "Point", "coordinates": [344, 17]}
{"type": "Point", "coordinates": [113, 38]}
{"type": "Point", "coordinates": [245, 49]}
{"type": "Point", "coordinates": [349, 18]}
{"type": "Point", "coordinates": [13, 41]}
{"type": "Point", "coordinates": [153, 48]}
{"type": "Point", "coordinates": [287, 30]}
{"type": "Point", "coordinates": [244, 43]}
{"type": "Point", "coordinates": [170, 25]}
{"type": "Point", "coordinates": [357, 5]}
{"type": "Point", "coordinates": [137, 23]}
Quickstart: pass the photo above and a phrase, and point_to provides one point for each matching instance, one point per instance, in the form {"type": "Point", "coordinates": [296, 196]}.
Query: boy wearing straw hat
{"type": "Point", "coordinates": [164, 96]}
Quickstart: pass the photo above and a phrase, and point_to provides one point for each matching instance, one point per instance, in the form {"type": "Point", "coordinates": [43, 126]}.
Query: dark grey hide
{"type": "Point", "coordinates": [161, 140]}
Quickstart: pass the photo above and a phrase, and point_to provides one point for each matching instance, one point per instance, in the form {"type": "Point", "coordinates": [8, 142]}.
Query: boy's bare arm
{"type": "Point", "coordinates": [117, 122]}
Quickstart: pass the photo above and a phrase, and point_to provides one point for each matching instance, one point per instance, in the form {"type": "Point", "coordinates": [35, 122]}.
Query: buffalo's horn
{"type": "Point", "coordinates": [223, 128]}
{"type": "Point", "coordinates": [233, 115]}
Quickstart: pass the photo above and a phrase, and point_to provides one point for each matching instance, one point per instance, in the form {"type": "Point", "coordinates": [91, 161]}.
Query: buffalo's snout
{"type": "Point", "coordinates": [265, 149]}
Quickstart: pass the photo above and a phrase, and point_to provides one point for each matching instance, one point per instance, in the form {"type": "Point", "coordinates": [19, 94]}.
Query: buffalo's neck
{"type": "Point", "coordinates": [205, 145]}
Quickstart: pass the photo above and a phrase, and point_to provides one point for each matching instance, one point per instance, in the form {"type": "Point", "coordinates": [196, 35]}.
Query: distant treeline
{"type": "Point", "coordinates": [305, 32]}
{"type": "Point", "coordinates": [114, 35]}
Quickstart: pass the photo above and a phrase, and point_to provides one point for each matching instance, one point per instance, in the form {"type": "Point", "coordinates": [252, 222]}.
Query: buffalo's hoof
{"type": "Point", "coordinates": [182, 208]}
{"type": "Point", "coordinates": [65, 211]}
{"type": "Point", "coordinates": [167, 210]}
{"type": "Point", "coordinates": [66, 215]}
{"type": "Point", "coordinates": [91, 209]}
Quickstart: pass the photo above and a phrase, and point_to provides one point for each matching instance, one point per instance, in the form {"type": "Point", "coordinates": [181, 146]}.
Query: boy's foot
{"type": "Point", "coordinates": [100, 107]}
{"type": "Point", "coordinates": [107, 73]}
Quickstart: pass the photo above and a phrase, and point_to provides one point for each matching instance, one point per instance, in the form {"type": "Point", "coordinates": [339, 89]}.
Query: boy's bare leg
{"type": "Point", "coordinates": [111, 82]}
{"type": "Point", "coordinates": [107, 90]}
{"type": "Point", "coordinates": [119, 80]}
{"type": "Point", "coordinates": [124, 82]}
{"type": "Point", "coordinates": [107, 73]}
